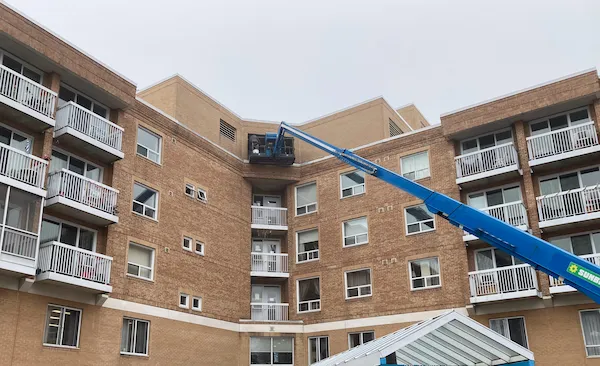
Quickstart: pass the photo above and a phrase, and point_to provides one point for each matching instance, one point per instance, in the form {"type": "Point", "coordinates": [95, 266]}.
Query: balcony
{"type": "Point", "coordinates": [503, 283]}
{"type": "Point", "coordinates": [78, 196]}
{"type": "Point", "coordinates": [513, 213]}
{"type": "Point", "coordinates": [569, 207]}
{"type": "Point", "coordinates": [26, 101]}
{"type": "Point", "coordinates": [272, 218]}
{"type": "Point", "coordinates": [269, 264]}
{"type": "Point", "coordinates": [270, 312]}
{"type": "Point", "coordinates": [563, 144]}
{"type": "Point", "coordinates": [22, 170]}
{"type": "Point", "coordinates": [66, 264]}
{"type": "Point", "coordinates": [18, 250]}
{"type": "Point", "coordinates": [77, 126]}
{"type": "Point", "coordinates": [497, 161]}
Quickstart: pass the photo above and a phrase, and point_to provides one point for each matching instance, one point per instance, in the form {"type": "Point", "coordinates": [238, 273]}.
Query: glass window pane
{"type": "Point", "coordinates": [144, 195]}
{"type": "Point", "coordinates": [99, 110]}
{"type": "Point", "coordinates": [86, 239]}
{"type": "Point", "coordinates": [569, 181]}
{"type": "Point", "coordinates": [127, 335]}
{"type": "Point", "coordinates": [503, 137]}
{"type": "Point", "coordinates": [141, 337]}
{"type": "Point", "coordinates": [539, 128]}
{"type": "Point", "coordinates": [21, 143]}
{"type": "Point", "coordinates": [306, 194]}
{"type": "Point", "coordinates": [66, 95]}
{"type": "Point", "coordinates": [5, 135]}
{"type": "Point", "coordinates": [512, 194]}
{"type": "Point", "coordinates": [71, 327]}
{"type": "Point", "coordinates": [549, 186]}
{"type": "Point", "coordinates": [558, 122]}
{"type": "Point", "coordinates": [582, 244]}
{"type": "Point", "coordinates": [140, 255]}
{"type": "Point", "coordinates": [24, 210]}
{"type": "Point", "coordinates": [590, 177]}
{"type": "Point", "coordinates": [58, 161]}
{"type": "Point", "coordinates": [417, 214]}
{"type": "Point", "coordinates": [50, 231]}
{"type": "Point", "coordinates": [469, 146]}
{"type": "Point", "coordinates": [358, 278]}
{"type": "Point", "coordinates": [368, 336]}
{"type": "Point", "coordinates": [563, 243]}
{"type": "Point", "coordinates": [494, 198]}
{"type": "Point", "coordinates": [12, 64]}
{"type": "Point", "coordinates": [53, 323]}
{"type": "Point", "coordinates": [354, 339]}
{"type": "Point", "coordinates": [477, 200]}
{"type": "Point", "coordinates": [308, 240]}
{"type": "Point", "coordinates": [503, 259]}
{"type": "Point", "coordinates": [260, 350]}
{"type": "Point", "coordinates": [486, 141]}
{"type": "Point", "coordinates": [76, 166]}
{"type": "Point", "coordinates": [579, 116]}
{"type": "Point", "coordinates": [68, 234]}
{"type": "Point", "coordinates": [309, 289]}
{"type": "Point", "coordinates": [32, 75]}
{"type": "Point", "coordinates": [93, 172]}
{"type": "Point", "coordinates": [484, 260]}
{"type": "Point", "coordinates": [355, 226]}
{"type": "Point", "coordinates": [516, 327]}
{"type": "Point", "coordinates": [148, 139]}
{"type": "Point", "coordinates": [590, 321]}
{"type": "Point", "coordinates": [84, 102]}
{"type": "Point", "coordinates": [353, 178]}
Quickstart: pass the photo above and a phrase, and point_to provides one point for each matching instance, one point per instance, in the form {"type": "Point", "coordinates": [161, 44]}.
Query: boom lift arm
{"type": "Point", "coordinates": [541, 255]}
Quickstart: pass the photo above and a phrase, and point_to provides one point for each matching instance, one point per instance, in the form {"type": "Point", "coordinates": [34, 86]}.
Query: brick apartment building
{"type": "Point", "coordinates": [138, 227]}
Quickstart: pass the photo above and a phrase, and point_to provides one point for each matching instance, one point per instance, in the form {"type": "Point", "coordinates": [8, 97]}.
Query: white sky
{"type": "Point", "coordinates": [296, 60]}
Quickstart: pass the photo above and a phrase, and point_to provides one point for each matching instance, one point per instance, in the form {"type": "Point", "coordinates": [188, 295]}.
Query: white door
{"type": "Point", "coordinates": [262, 295]}
{"type": "Point", "coordinates": [270, 263]}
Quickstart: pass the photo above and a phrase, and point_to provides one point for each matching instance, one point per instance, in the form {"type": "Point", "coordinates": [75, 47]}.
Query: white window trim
{"type": "Point", "coordinates": [567, 113]}
{"type": "Point", "coordinates": [502, 187]}
{"type": "Point", "coordinates": [524, 327]}
{"type": "Point", "coordinates": [187, 300]}
{"type": "Point", "coordinates": [79, 227]}
{"type": "Point", "coordinates": [62, 328]}
{"type": "Point", "coordinates": [155, 218]}
{"type": "Point", "coordinates": [361, 337]}
{"type": "Point", "coordinates": [557, 175]}
{"type": "Point", "coordinates": [346, 288]}
{"type": "Point", "coordinates": [87, 162]}
{"type": "Point", "coordinates": [318, 347]}
{"type": "Point", "coordinates": [316, 203]}
{"type": "Point", "coordinates": [415, 171]}
{"type": "Point", "coordinates": [153, 250]}
{"type": "Point", "coordinates": [192, 188]}
{"type": "Point", "coordinates": [271, 357]}
{"type": "Point", "coordinates": [342, 189]}
{"type": "Point", "coordinates": [190, 241]}
{"type": "Point", "coordinates": [24, 63]}
{"type": "Point", "coordinates": [493, 249]}
{"type": "Point", "coordinates": [199, 307]}
{"type": "Point", "coordinates": [199, 252]}
{"type": "Point", "coordinates": [94, 101]}
{"type": "Point", "coordinates": [200, 190]}
{"type": "Point", "coordinates": [310, 252]}
{"type": "Point", "coordinates": [159, 153]}
{"type": "Point", "coordinates": [355, 236]}
{"type": "Point", "coordinates": [512, 137]}
{"type": "Point", "coordinates": [410, 277]}
{"type": "Point", "coordinates": [309, 301]}
{"type": "Point", "coordinates": [418, 222]}
{"type": "Point", "coordinates": [585, 346]}
{"type": "Point", "coordinates": [136, 320]}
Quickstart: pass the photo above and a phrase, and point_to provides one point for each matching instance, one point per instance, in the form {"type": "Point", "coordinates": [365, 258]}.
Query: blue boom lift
{"type": "Point", "coordinates": [541, 255]}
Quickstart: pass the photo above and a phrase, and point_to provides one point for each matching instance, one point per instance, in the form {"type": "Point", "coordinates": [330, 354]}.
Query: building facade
{"type": "Point", "coordinates": [142, 227]}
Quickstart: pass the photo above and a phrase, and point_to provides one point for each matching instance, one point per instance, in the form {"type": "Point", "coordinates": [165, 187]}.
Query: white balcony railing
{"type": "Point", "coordinates": [269, 311]}
{"type": "Point", "coordinates": [21, 166]}
{"type": "Point", "coordinates": [569, 203]}
{"type": "Point", "coordinates": [19, 242]}
{"type": "Point", "coordinates": [513, 213]}
{"type": "Point", "coordinates": [74, 262]}
{"type": "Point", "coordinates": [503, 280]}
{"type": "Point", "coordinates": [562, 141]}
{"type": "Point", "coordinates": [90, 124]}
{"type": "Point", "coordinates": [269, 216]}
{"type": "Point", "coordinates": [592, 258]}
{"type": "Point", "coordinates": [27, 92]}
{"type": "Point", "coordinates": [269, 262]}
{"type": "Point", "coordinates": [78, 188]}
{"type": "Point", "coordinates": [486, 160]}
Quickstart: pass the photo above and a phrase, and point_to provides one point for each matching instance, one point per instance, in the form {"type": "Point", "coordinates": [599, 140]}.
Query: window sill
{"type": "Point", "coordinates": [201, 254]}
{"type": "Point", "coordinates": [184, 307]}
{"type": "Point", "coordinates": [355, 245]}
{"type": "Point", "coordinates": [420, 232]}
{"type": "Point", "coordinates": [59, 346]}
{"type": "Point", "coordinates": [308, 311]}
{"type": "Point", "coordinates": [144, 216]}
{"type": "Point", "coordinates": [308, 260]}
{"type": "Point", "coordinates": [359, 297]}
{"type": "Point", "coordinates": [148, 159]}
{"type": "Point", "coordinates": [354, 195]}
{"type": "Point", "coordinates": [133, 354]}
{"type": "Point", "coordinates": [426, 288]}
{"type": "Point", "coordinates": [140, 278]}
{"type": "Point", "coordinates": [198, 310]}
{"type": "Point", "coordinates": [308, 213]}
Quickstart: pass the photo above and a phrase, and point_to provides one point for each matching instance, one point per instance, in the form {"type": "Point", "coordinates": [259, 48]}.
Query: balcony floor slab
{"type": "Point", "coordinates": [85, 213]}
{"type": "Point", "coordinates": [505, 296]}
{"type": "Point", "coordinates": [71, 137]}
{"type": "Point", "coordinates": [488, 177]}
{"type": "Point", "coordinates": [20, 113]}
{"type": "Point", "coordinates": [555, 160]}
{"type": "Point", "coordinates": [269, 274]}
{"type": "Point", "coordinates": [80, 283]}
{"type": "Point", "coordinates": [570, 221]}
{"type": "Point", "coordinates": [268, 227]}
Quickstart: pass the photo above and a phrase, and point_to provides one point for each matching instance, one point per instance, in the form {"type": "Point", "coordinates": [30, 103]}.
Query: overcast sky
{"type": "Point", "coordinates": [296, 60]}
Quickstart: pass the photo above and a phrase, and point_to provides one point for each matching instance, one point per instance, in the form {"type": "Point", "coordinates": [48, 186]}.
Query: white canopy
{"type": "Point", "coordinates": [448, 339]}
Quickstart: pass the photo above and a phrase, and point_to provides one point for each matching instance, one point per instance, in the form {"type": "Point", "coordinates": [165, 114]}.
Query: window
{"type": "Point", "coordinates": [271, 351]}
{"type": "Point", "coordinates": [308, 245]}
{"type": "Point", "coordinates": [134, 337]}
{"type": "Point", "coordinates": [199, 247]}
{"type": "Point", "coordinates": [145, 200]}
{"type": "Point", "coordinates": [187, 243]}
{"type": "Point", "coordinates": [202, 195]}
{"type": "Point", "coordinates": [511, 328]}
{"type": "Point", "coordinates": [306, 199]}
{"type": "Point", "coordinates": [309, 295]}
{"type": "Point", "coordinates": [355, 232]}
{"type": "Point", "coordinates": [486, 141]}
{"type": "Point", "coordinates": [227, 130]}
{"type": "Point", "coordinates": [418, 220]}
{"type": "Point", "coordinates": [356, 339]}
{"type": "Point", "coordinates": [415, 166]}
{"type": "Point", "coordinates": [590, 322]}
{"type": "Point", "coordinates": [560, 121]}
{"type": "Point", "coordinates": [394, 129]}
{"type": "Point", "coordinates": [67, 233]}
{"type": "Point", "coordinates": [61, 160]}
{"type": "Point", "coordinates": [67, 94]}
{"type": "Point", "coordinates": [148, 144]}
{"type": "Point", "coordinates": [140, 261]}
{"type": "Point", "coordinates": [62, 326]}
{"type": "Point", "coordinates": [502, 203]}
{"type": "Point", "coordinates": [573, 180]}
{"type": "Point", "coordinates": [582, 244]}
{"type": "Point", "coordinates": [20, 67]}
{"type": "Point", "coordinates": [358, 283]}
{"type": "Point", "coordinates": [197, 303]}
{"type": "Point", "coordinates": [353, 183]}
{"type": "Point", "coordinates": [318, 349]}
{"type": "Point", "coordinates": [424, 273]}
{"type": "Point", "coordinates": [184, 300]}
{"type": "Point", "coordinates": [491, 258]}
{"type": "Point", "coordinates": [15, 139]}
{"type": "Point", "coordinates": [21, 210]}
{"type": "Point", "coordinates": [189, 190]}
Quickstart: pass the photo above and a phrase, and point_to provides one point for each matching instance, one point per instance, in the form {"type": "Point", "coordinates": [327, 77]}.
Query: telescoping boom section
{"type": "Point", "coordinates": [541, 255]}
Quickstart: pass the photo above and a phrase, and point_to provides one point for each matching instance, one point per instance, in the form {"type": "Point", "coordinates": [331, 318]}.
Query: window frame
{"type": "Point", "coordinates": [318, 348]}
{"type": "Point", "coordinates": [61, 322]}
{"type": "Point", "coordinates": [583, 332]}
{"type": "Point", "coordinates": [79, 227]}
{"type": "Point", "coordinates": [136, 321]}
{"type": "Point", "coordinates": [183, 295]}
{"type": "Point", "coordinates": [344, 237]}
{"type": "Point", "coordinates": [476, 138]}
{"type": "Point", "coordinates": [192, 188]}
{"type": "Point", "coordinates": [197, 308]}
{"type": "Point", "coordinates": [316, 203]}
{"type": "Point", "coordinates": [188, 239]}
{"type": "Point", "coordinates": [271, 338]}
{"type": "Point", "coordinates": [567, 113]}
{"type": "Point", "coordinates": [558, 175]}
{"type": "Point", "coordinates": [307, 301]}
{"type": "Point", "coordinates": [495, 188]}
{"type": "Point", "coordinates": [23, 64]}
{"type": "Point", "coordinates": [402, 172]}
{"type": "Point", "coordinates": [94, 101]}
{"type": "Point", "coordinates": [590, 233]}
{"type": "Point", "coordinates": [160, 140]}
{"type": "Point", "coordinates": [361, 337]}
{"type": "Point", "coordinates": [439, 275]}
{"type": "Point", "coordinates": [346, 288]}
{"type": "Point", "coordinates": [418, 222]}
{"type": "Point", "coordinates": [524, 328]}
{"type": "Point", "coordinates": [196, 246]}
{"type": "Point", "coordinates": [85, 161]}
{"type": "Point", "coordinates": [493, 249]}
{"type": "Point", "coordinates": [203, 191]}
{"type": "Point", "coordinates": [317, 251]}
{"type": "Point", "coordinates": [151, 269]}
{"type": "Point", "coordinates": [14, 131]}
{"type": "Point", "coordinates": [144, 206]}
{"type": "Point", "coordinates": [364, 185]}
